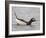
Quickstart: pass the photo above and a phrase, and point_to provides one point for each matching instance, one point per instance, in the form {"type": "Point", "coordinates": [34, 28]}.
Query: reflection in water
{"type": "Point", "coordinates": [16, 27]}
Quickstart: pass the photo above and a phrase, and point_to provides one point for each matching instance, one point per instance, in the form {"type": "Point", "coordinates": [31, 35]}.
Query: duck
{"type": "Point", "coordinates": [22, 21]}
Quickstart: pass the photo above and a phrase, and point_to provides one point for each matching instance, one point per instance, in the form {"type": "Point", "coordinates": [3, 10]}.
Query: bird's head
{"type": "Point", "coordinates": [33, 19]}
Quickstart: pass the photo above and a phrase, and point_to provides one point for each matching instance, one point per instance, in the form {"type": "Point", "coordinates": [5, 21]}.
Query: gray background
{"type": "Point", "coordinates": [26, 13]}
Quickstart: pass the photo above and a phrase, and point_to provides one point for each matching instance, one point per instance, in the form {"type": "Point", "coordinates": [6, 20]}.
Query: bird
{"type": "Point", "coordinates": [22, 21]}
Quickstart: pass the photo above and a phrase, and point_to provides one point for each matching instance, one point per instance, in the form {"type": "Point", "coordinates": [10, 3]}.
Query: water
{"type": "Point", "coordinates": [34, 26]}
{"type": "Point", "coordinates": [26, 13]}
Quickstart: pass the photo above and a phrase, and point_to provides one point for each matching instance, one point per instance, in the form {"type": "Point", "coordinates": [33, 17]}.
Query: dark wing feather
{"type": "Point", "coordinates": [22, 20]}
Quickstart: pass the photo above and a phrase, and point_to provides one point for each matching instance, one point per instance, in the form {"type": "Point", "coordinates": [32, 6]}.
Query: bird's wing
{"type": "Point", "coordinates": [22, 20]}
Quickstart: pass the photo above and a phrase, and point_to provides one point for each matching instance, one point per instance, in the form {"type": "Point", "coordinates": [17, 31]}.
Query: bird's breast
{"type": "Point", "coordinates": [20, 22]}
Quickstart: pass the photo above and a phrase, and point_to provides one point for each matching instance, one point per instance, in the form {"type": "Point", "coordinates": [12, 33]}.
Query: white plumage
{"type": "Point", "coordinates": [20, 22]}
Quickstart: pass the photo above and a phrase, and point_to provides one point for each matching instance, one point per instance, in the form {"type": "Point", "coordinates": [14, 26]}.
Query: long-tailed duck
{"type": "Point", "coordinates": [21, 21]}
